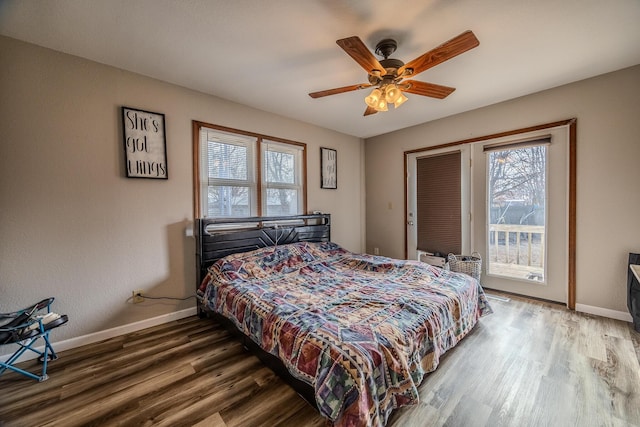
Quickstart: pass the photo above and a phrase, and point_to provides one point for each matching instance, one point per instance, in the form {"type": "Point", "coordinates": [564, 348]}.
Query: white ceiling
{"type": "Point", "coordinates": [269, 54]}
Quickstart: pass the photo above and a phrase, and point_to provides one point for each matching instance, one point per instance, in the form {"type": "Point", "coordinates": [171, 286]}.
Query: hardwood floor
{"type": "Point", "coordinates": [530, 363]}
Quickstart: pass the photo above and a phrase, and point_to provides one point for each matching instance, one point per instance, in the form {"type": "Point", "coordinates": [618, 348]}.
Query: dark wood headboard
{"type": "Point", "coordinates": [217, 238]}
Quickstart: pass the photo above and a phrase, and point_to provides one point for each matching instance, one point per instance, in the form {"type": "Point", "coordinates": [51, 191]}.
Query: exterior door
{"type": "Point", "coordinates": [438, 201]}
{"type": "Point", "coordinates": [520, 187]}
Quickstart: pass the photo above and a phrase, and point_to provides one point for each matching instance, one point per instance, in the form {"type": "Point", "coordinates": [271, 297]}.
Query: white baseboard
{"type": "Point", "coordinates": [604, 312]}
{"type": "Point", "coordinates": [108, 333]}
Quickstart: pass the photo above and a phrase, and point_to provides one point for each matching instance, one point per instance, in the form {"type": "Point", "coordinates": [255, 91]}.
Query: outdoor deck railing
{"type": "Point", "coordinates": [533, 245]}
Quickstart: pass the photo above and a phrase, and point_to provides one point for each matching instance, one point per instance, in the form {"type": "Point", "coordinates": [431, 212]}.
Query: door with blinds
{"type": "Point", "coordinates": [438, 202]}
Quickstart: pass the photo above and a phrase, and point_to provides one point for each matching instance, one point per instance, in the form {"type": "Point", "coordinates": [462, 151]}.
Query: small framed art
{"type": "Point", "coordinates": [145, 145]}
{"type": "Point", "coordinates": [328, 168]}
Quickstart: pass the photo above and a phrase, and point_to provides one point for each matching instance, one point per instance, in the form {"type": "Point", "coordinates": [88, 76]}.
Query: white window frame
{"type": "Point", "coordinates": [298, 182]}
{"type": "Point", "coordinates": [207, 136]}
{"type": "Point", "coordinates": [256, 172]}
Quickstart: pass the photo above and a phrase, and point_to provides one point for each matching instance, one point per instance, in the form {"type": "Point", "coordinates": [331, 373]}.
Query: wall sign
{"type": "Point", "coordinates": [145, 144]}
{"type": "Point", "coordinates": [328, 168]}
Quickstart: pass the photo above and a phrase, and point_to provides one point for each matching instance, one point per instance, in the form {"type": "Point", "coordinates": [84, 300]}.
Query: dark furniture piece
{"type": "Point", "coordinates": [633, 291]}
{"type": "Point", "coordinates": [217, 238]}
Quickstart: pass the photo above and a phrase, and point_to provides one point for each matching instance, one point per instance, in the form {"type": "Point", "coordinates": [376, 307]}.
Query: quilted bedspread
{"type": "Point", "coordinates": [362, 330]}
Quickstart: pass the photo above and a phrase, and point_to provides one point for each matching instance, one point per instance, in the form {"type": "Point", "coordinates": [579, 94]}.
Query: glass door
{"type": "Point", "coordinates": [520, 205]}
{"type": "Point", "coordinates": [516, 211]}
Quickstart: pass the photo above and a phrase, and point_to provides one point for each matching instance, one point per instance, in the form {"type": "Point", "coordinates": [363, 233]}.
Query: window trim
{"type": "Point", "coordinates": [196, 127]}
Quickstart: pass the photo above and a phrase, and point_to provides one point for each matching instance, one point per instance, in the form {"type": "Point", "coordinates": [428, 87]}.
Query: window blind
{"type": "Point", "coordinates": [544, 140]}
{"type": "Point", "coordinates": [439, 218]}
{"type": "Point", "coordinates": [227, 178]}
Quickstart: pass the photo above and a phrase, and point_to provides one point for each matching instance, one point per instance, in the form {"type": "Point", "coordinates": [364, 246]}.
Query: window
{"type": "Point", "coordinates": [517, 187]}
{"type": "Point", "coordinates": [240, 174]}
{"type": "Point", "coordinates": [282, 178]}
{"type": "Point", "coordinates": [228, 184]}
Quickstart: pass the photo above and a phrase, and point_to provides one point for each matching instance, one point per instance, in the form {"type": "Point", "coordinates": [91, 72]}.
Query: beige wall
{"type": "Point", "coordinates": [608, 197]}
{"type": "Point", "coordinates": [72, 226]}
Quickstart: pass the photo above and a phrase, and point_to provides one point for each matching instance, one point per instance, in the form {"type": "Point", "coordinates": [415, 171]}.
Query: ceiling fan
{"type": "Point", "coordinates": [388, 74]}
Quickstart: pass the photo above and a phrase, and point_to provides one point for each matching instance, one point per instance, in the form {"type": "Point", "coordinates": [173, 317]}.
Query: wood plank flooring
{"type": "Point", "coordinates": [530, 363]}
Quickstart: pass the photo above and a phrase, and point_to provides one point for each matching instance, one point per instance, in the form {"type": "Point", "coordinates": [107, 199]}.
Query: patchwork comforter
{"type": "Point", "coordinates": [362, 330]}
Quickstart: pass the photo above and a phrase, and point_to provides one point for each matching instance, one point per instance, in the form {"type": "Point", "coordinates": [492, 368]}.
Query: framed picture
{"type": "Point", "coordinates": [145, 145]}
{"type": "Point", "coordinates": [328, 168]}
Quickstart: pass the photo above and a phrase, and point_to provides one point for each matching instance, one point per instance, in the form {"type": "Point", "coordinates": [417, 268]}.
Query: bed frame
{"type": "Point", "coordinates": [217, 238]}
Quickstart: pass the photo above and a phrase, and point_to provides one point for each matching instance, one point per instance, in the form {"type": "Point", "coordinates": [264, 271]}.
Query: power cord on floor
{"type": "Point", "coordinates": [174, 298]}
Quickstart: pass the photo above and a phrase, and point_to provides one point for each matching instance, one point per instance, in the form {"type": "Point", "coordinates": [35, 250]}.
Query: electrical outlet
{"type": "Point", "coordinates": [376, 251]}
{"type": "Point", "coordinates": [136, 296]}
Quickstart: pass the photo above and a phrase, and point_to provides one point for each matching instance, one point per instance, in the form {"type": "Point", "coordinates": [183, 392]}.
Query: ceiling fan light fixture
{"type": "Point", "coordinates": [392, 93]}
{"type": "Point", "coordinates": [374, 98]}
{"type": "Point", "coordinates": [379, 98]}
{"type": "Point", "coordinates": [382, 105]}
{"type": "Point", "coordinates": [401, 100]}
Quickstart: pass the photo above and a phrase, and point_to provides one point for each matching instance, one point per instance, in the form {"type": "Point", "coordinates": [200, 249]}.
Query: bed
{"type": "Point", "coordinates": [355, 333]}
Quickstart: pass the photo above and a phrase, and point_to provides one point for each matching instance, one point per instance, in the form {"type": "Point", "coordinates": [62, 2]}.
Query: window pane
{"type": "Point", "coordinates": [282, 201]}
{"type": "Point", "coordinates": [516, 203]}
{"type": "Point", "coordinates": [228, 201]}
{"type": "Point", "coordinates": [230, 182]}
{"type": "Point", "coordinates": [280, 167]}
{"type": "Point", "coordinates": [228, 161]}
{"type": "Point", "coordinates": [282, 178]}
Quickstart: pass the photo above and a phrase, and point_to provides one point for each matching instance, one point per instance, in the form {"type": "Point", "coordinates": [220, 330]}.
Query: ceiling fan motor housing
{"type": "Point", "coordinates": [391, 67]}
{"type": "Point", "coordinates": [386, 47]}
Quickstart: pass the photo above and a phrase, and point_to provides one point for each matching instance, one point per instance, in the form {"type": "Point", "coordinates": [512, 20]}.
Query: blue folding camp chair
{"type": "Point", "coordinates": [24, 328]}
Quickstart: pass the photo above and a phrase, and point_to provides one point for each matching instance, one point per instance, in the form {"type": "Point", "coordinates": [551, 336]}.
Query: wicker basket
{"type": "Point", "coordinates": [467, 264]}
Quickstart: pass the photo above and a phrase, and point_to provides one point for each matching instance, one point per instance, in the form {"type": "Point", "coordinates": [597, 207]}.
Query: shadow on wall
{"type": "Point", "coordinates": [179, 284]}
{"type": "Point", "coordinates": [177, 290]}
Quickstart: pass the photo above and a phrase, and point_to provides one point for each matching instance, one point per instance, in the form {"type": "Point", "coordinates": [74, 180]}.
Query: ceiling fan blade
{"type": "Point", "coordinates": [355, 48]}
{"type": "Point", "coordinates": [427, 89]}
{"type": "Point", "coordinates": [338, 90]}
{"type": "Point", "coordinates": [444, 52]}
{"type": "Point", "coordinates": [369, 111]}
